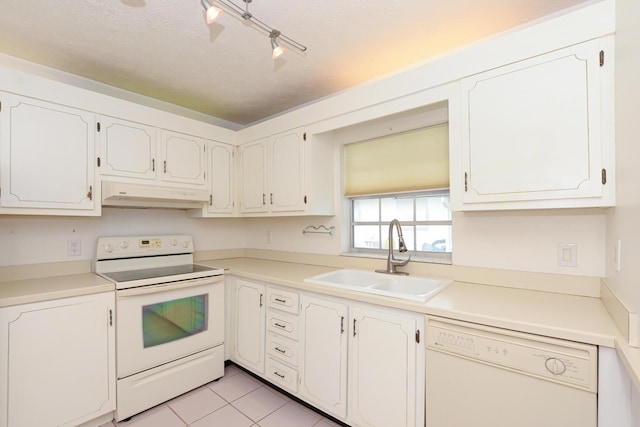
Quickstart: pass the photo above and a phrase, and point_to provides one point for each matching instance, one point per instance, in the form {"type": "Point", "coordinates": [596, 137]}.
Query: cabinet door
{"type": "Point", "coordinates": [253, 177]}
{"type": "Point", "coordinates": [221, 173]}
{"type": "Point", "coordinates": [287, 172]}
{"type": "Point", "coordinates": [249, 324]}
{"type": "Point", "coordinates": [127, 149]}
{"type": "Point", "coordinates": [57, 367]}
{"type": "Point", "coordinates": [183, 158]}
{"type": "Point", "coordinates": [323, 369]}
{"type": "Point", "coordinates": [533, 130]}
{"type": "Point", "coordinates": [47, 155]}
{"type": "Point", "coordinates": [384, 387]}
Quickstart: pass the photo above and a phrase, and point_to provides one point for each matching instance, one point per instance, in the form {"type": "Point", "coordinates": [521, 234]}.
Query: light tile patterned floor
{"type": "Point", "coordinates": [236, 400]}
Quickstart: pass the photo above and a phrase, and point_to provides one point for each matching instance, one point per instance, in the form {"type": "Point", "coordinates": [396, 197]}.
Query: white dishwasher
{"type": "Point", "coordinates": [478, 376]}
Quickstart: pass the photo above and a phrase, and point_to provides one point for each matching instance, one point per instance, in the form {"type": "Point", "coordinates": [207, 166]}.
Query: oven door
{"type": "Point", "coordinates": [158, 324]}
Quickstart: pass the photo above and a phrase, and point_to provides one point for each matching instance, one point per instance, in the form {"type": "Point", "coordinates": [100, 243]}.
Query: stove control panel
{"type": "Point", "coordinates": [140, 246]}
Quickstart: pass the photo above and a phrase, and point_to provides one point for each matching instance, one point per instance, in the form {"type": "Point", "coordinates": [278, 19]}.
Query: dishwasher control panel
{"type": "Point", "coordinates": [561, 361]}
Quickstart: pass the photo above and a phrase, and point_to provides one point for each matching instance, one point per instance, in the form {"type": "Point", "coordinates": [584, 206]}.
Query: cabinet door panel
{"type": "Point", "coordinates": [532, 130]}
{"type": "Point", "coordinates": [287, 172]}
{"type": "Point", "coordinates": [324, 360]}
{"type": "Point", "coordinates": [60, 362]}
{"type": "Point", "coordinates": [383, 368]}
{"type": "Point", "coordinates": [222, 178]}
{"type": "Point", "coordinates": [249, 325]}
{"type": "Point", "coordinates": [184, 158]}
{"type": "Point", "coordinates": [253, 177]}
{"type": "Point", "coordinates": [47, 155]}
{"type": "Point", "coordinates": [127, 149]}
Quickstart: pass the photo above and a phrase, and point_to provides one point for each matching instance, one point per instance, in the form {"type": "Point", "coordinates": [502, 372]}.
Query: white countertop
{"type": "Point", "coordinates": [14, 292]}
{"type": "Point", "coordinates": [570, 317]}
{"type": "Point", "coordinates": [575, 318]}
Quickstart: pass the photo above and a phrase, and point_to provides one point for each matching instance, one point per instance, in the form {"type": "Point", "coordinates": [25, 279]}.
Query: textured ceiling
{"type": "Point", "coordinates": [165, 50]}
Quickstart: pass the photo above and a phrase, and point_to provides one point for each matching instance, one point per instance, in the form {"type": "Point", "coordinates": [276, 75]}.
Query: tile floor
{"type": "Point", "coordinates": [236, 400]}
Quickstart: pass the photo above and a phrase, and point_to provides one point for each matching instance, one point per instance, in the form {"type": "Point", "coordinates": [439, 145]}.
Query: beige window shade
{"type": "Point", "coordinates": [411, 161]}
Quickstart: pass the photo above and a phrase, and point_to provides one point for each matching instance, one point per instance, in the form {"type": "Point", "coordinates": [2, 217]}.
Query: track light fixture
{"type": "Point", "coordinates": [214, 12]}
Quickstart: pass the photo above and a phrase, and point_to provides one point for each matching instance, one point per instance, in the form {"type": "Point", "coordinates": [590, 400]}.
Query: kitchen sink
{"type": "Point", "coordinates": [415, 288]}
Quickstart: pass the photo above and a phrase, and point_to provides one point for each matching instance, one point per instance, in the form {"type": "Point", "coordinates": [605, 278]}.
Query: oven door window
{"type": "Point", "coordinates": [169, 321]}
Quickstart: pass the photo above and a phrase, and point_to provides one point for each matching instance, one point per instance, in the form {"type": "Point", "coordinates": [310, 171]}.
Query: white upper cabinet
{"type": "Point", "coordinates": [183, 158]}
{"type": "Point", "coordinates": [286, 174]}
{"type": "Point", "coordinates": [222, 177]}
{"type": "Point", "coordinates": [47, 155]}
{"type": "Point", "coordinates": [538, 133]}
{"type": "Point", "coordinates": [142, 153]}
{"type": "Point", "coordinates": [253, 177]}
{"type": "Point", "coordinates": [127, 149]}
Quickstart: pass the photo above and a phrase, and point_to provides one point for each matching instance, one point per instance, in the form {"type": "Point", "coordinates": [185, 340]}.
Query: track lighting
{"type": "Point", "coordinates": [278, 51]}
{"type": "Point", "coordinates": [214, 12]}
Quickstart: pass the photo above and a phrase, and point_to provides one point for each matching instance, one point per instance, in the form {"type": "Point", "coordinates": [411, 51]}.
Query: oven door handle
{"type": "Point", "coordinates": [171, 286]}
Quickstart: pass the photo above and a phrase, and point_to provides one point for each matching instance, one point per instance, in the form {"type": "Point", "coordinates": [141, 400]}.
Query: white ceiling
{"type": "Point", "coordinates": [165, 50]}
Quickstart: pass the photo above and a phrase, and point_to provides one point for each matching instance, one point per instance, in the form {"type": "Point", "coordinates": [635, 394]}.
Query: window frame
{"type": "Point", "coordinates": [416, 255]}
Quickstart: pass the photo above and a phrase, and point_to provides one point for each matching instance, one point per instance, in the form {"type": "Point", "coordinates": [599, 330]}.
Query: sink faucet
{"type": "Point", "coordinates": [393, 262]}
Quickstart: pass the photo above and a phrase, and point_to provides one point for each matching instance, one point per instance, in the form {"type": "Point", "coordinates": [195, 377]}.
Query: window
{"type": "Point", "coordinates": [404, 176]}
{"type": "Point", "coordinates": [425, 218]}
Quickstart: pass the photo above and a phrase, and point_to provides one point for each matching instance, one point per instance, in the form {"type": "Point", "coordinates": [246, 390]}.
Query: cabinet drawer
{"type": "Point", "coordinates": [283, 324]}
{"type": "Point", "coordinates": [282, 300]}
{"type": "Point", "coordinates": [282, 349]}
{"type": "Point", "coordinates": [282, 376]}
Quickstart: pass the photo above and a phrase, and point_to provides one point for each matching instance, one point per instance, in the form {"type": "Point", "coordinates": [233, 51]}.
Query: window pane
{"type": "Point", "coordinates": [433, 208]}
{"type": "Point", "coordinates": [366, 210]}
{"type": "Point", "coordinates": [366, 236]}
{"type": "Point", "coordinates": [172, 320]}
{"type": "Point", "coordinates": [397, 207]}
{"type": "Point", "coordinates": [434, 238]}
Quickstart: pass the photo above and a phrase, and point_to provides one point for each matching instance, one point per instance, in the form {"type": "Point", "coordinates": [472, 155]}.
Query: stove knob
{"type": "Point", "coordinates": [124, 244]}
{"type": "Point", "coordinates": [185, 244]}
{"type": "Point", "coordinates": [108, 248]}
{"type": "Point", "coordinates": [173, 242]}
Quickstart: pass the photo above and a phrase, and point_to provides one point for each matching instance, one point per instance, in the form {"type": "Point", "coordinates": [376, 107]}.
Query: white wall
{"type": "Point", "coordinates": [31, 240]}
{"type": "Point", "coordinates": [623, 222]}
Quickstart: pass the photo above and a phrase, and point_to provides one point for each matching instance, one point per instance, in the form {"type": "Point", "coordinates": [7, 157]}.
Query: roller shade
{"type": "Point", "coordinates": [411, 161]}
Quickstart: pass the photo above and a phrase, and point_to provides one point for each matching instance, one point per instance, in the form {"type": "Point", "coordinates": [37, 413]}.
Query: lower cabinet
{"type": "Point", "coordinates": [361, 363]}
{"type": "Point", "coordinates": [57, 366]}
{"type": "Point", "coordinates": [248, 324]}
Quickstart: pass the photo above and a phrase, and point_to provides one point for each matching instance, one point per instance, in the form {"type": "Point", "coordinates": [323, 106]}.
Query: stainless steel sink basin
{"type": "Point", "coordinates": [408, 287]}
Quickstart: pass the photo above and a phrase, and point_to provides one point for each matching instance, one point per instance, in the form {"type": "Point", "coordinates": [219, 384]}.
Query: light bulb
{"type": "Point", "coordinates": [213, 13]}
{"type": "Point", "coordinates": [278, 51]}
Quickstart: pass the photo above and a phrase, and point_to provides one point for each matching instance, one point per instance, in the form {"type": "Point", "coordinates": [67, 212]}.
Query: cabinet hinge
{"type": "Point", "coordinates": [465, 182]}
{"type": "Point", "coordinates": [98, 161]}
{"type": "Point", "coordinates": [153, 165]}
{"type": "Point", "coordinates": [165, 166]}
{"type": "Point", "coordinates": [304, 136]}
{"type": "Point", "coordinates": [210, 199]}
{"type": "Point", "coordinates": [602, 58]}
{"type": "Point", "coordinates": [604, 176]}
{"type": "Point", "coordinates": [110, 317]}
{"type": "Point", "coordinates": [98, 126]}
{"type": "Point", "coordinates": [418, 336]}
{"type": "Point", "coordinates": [90, 193]}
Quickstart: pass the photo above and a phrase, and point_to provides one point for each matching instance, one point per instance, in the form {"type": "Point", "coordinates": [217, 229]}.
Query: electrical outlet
{"type": "Point", "coordinates": [74, 247]}
{"type": "Point", "coordinates": [567, 255]}
{"type": "Point", "coordinates": [269, 236]}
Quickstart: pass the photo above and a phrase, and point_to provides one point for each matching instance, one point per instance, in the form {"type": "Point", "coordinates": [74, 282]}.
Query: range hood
{"type": "Point", "coordinates": [151, 196]}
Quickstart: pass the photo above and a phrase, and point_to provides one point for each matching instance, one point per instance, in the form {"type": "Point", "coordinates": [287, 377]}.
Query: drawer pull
{"type": "Point", "coordinates": [280, 325]}
{"type": "Point", "coordinates": [280, 300]}
{"type": "Point", "coordinates": [278, 374]}
{"type": "Point", "coordinates": [278, 349]}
